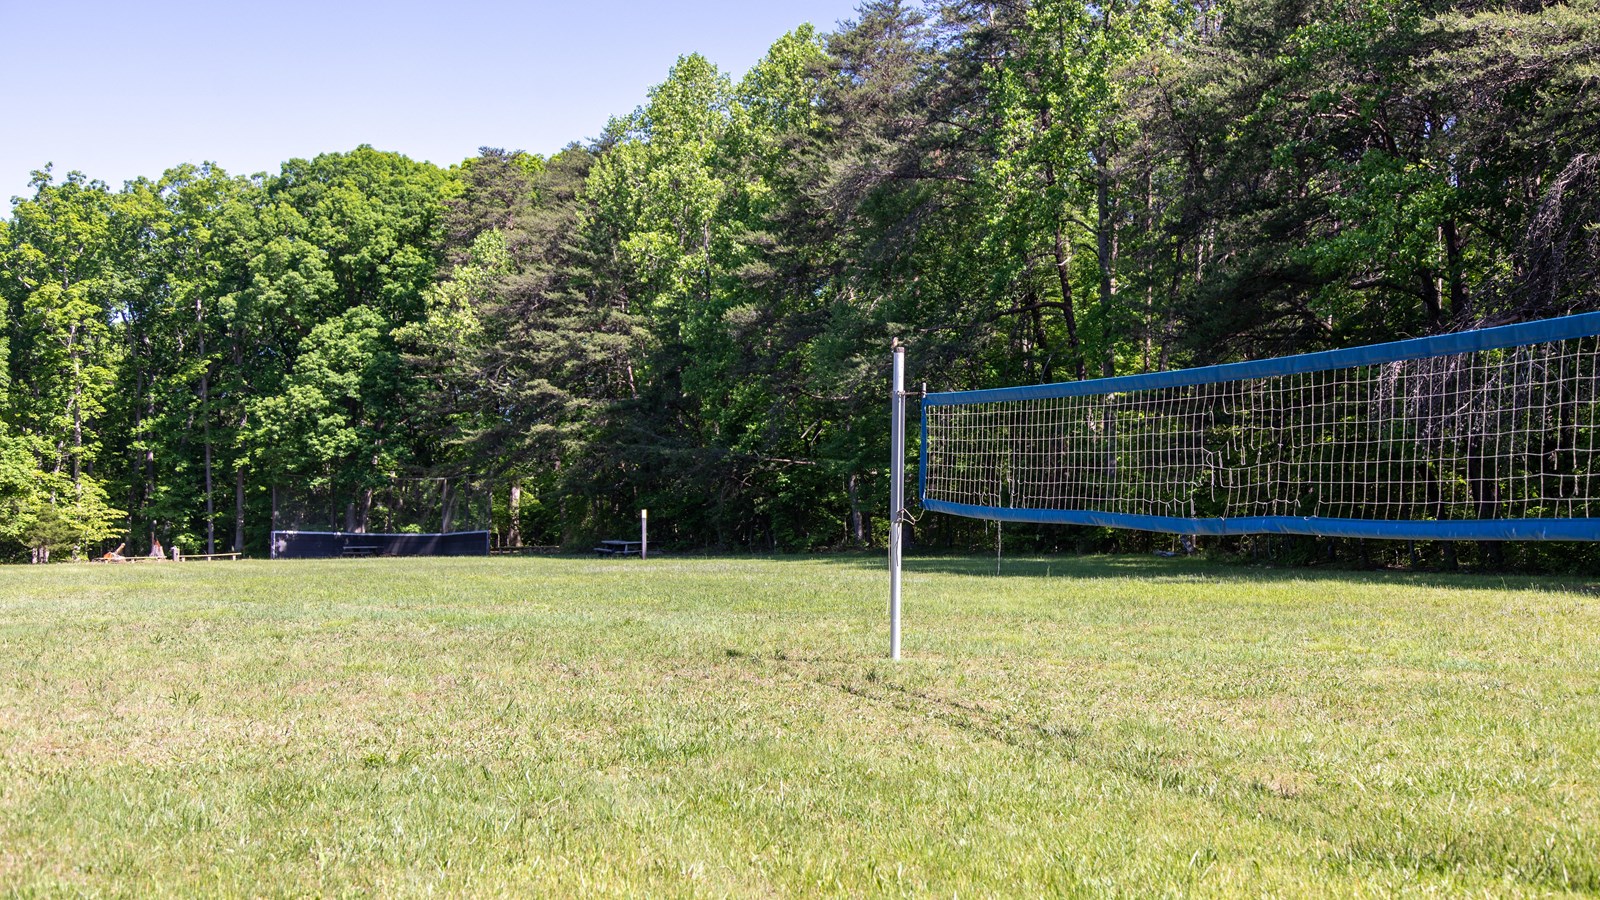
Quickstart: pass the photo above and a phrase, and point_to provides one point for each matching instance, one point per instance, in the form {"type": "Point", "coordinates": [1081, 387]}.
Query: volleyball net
{"type": "Point", "coordinates": [1481, 435]}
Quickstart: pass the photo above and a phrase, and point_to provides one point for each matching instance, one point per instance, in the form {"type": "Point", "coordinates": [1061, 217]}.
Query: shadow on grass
{"type": "Point", "coordinates": [1154, 567]}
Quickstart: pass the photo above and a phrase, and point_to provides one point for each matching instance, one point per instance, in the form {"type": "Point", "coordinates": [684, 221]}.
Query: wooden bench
{"type": "Point", "coordinates": [619, 548]}
{"type": "Point", "coordinates": [181, 557]}
{"type": "Point", "coordinates": [361, 550]}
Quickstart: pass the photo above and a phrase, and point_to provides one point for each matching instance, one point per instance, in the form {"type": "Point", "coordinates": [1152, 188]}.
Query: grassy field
{"type": "Point", "coordinates": [705, 727]}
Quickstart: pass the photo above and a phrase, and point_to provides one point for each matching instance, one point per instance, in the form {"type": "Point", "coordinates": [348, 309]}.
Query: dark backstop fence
{"type": "Point", "coordinates": [450, 505]}
{"type": "Point", "coordinates": [336, 544]}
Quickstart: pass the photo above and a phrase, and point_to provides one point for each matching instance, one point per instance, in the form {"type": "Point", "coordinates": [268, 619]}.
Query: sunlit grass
{"type": "Point", "coordinates": [729, 727]}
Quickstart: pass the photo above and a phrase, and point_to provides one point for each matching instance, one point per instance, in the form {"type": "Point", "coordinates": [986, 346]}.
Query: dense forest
{"type": "Point", "coordinates": [693, 312]}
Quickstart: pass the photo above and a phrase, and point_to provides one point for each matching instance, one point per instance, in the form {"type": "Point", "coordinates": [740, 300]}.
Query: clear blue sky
{"type": "Point", "coordinates": [122, 89]}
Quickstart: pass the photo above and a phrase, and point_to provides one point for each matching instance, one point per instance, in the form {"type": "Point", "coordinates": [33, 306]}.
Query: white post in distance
{"type": "Point", "coordinates": [644, 533]}
{"type": "Point", "coordinates": [897, 491]}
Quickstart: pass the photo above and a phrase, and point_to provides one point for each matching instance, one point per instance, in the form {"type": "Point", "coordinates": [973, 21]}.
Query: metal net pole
{"type": "Point", "coordinates": [897, 492]}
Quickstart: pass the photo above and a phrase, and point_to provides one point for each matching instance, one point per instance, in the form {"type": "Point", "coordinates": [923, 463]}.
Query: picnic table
{"type": "Point", "coordinates": [619, 548]}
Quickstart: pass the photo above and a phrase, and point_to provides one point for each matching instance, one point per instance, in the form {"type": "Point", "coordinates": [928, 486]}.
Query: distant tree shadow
{"type": "Point", "coordinates": [1135, 566]}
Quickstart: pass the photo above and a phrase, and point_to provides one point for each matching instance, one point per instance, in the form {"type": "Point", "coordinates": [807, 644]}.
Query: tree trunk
{"type": "Point", "coordinates": [1148, 265]}
{"type": "Point", "coordinates": [211, 501]}
{"type": "Point", "coordinates": [134, 467]}
{"type": "Point", "coordinates": [1106, 251]}
{"type": "Point", "coordinates": [514, 513]}
{"type": "Point", "coordinates": [1063, 261]}
{"type": "Point", "coordinates": [1169, 321]}
{"type": "Point", "coordinates": [244, 421]}
{"type": "Point", "coordinates": [1483, 480]}
{"type": "Point", "coordinates": [1041, 340]}
{"type": "Point", "coordinates": [858, 522]}
{"type": "Point", "coordinates": [1460, 303]}
{"type": "Point", "coordinates": [1430, 297]}
{"type": "Point", "coordinates": [205, 420]}
{"type": "Point", "coordinates": [238, 508]}
{"type": "Point", "coordinates": [1064, 273]}
{"type": "Point", "coordinates": [149, 470]}
{"type": "Point", "coordinates": [77, 412]}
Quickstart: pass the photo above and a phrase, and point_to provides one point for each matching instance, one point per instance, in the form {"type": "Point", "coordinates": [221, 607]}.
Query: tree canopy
{"type": "Point", "coordinates": [692, 312]}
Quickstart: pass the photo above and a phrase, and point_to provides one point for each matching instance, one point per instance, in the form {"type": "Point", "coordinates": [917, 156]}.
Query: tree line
{"type": "Point", "coordinates": [692, 312]}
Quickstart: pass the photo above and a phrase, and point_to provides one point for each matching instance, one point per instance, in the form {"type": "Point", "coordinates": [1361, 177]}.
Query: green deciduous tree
{"type": "Point", "coordinates": [63, 281]}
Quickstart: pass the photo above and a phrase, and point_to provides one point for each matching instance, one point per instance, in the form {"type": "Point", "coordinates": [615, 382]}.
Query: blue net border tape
{"type": "Point", "coordinates": [1498, 338]}
{"type": "Point", "coordinates": [1421, 530]}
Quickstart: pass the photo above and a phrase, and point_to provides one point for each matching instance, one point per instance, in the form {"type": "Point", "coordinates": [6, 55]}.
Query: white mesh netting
{"type": "Point", "coordinates": [1489, 434]}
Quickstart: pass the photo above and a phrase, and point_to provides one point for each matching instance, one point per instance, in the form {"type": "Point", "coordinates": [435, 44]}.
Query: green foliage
{"type": "Point", "coordinates": [692, 314]}
{"type": "Point", "coordinates": [58, 515]}
{"type": "Point", "coordinates": [63, 257]}
{"type": "Point", "coordinates": [338, 423]}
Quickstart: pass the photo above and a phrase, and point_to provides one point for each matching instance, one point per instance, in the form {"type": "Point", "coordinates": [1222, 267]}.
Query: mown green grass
{"type": "Point", "coordinates": [729, 727]}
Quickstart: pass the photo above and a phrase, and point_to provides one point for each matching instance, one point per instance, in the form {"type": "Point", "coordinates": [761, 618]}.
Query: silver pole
{"type": "Point", "coordinates": [897, 492]}
{"type": "Point", "coordinates": [644, 533]}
